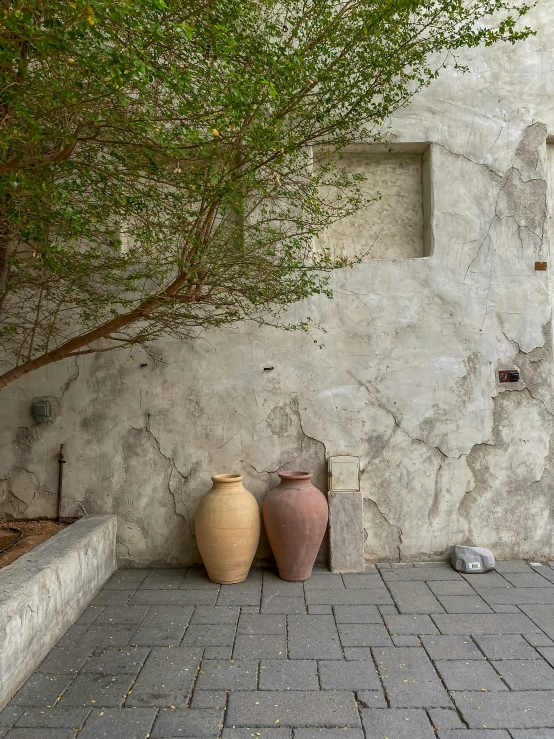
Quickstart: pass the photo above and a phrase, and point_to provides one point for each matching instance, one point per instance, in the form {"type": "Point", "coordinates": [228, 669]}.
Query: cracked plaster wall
{"type": "Point", "coordinates": [406, 379]}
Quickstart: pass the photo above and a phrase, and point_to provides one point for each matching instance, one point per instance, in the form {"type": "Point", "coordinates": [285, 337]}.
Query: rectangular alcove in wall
{"type": "Point", "coordinates": [398, 225]}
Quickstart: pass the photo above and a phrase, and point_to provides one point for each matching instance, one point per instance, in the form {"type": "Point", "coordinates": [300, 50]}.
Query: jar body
{"type": "Point", "coordinates": [227, 524]}
{"type": "Point", "coordinates": [295, 517]}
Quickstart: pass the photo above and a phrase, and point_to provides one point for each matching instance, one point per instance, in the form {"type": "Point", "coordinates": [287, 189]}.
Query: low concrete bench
{"type": "Point", "coordinates": [44, 592]}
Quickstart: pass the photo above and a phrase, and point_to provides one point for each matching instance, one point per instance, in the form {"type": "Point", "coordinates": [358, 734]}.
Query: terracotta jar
{"type": "Point", "coordinates": [295, 516]}
{"type": "Point", "coordinates": [227, 526]}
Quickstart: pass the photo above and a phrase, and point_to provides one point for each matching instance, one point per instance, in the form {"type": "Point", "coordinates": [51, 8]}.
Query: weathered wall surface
{"type": "Point", "coordinates": [406, 379]}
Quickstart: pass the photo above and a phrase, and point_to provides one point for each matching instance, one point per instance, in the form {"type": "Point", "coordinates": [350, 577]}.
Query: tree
{"type": "Point", "coordinates": [157, 167]}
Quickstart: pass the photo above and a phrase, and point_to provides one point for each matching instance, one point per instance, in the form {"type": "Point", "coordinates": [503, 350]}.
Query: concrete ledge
{"type": "Point", "coordinates": [43, 593]}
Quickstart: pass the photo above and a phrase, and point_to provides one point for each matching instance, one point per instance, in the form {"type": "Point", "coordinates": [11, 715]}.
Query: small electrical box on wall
{"type": "Point", "coordinates": [41, 410]}
{"type": "Point", "coordinates": [344, 474]}
{"type": "Point", "coordinates": [508, 376]}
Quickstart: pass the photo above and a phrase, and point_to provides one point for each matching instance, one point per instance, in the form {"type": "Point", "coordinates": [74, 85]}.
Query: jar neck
{"type": "Point", "coordinates": [298, 479]}
{"type": "Point", "coordinates": [227, 483]}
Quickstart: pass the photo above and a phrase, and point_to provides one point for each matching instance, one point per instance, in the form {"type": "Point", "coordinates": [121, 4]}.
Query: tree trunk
{"type": "Point", "coordinates": [63, 351]}
{"type": "Point", "coordinates": [101, 332]}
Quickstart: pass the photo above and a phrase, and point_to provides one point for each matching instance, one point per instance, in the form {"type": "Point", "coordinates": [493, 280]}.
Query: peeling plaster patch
{"type": "Point", "coordinates": [383, 540]}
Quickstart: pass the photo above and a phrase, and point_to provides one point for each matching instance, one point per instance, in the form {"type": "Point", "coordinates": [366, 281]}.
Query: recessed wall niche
{"type": "Point", "coordinates": [397, 226]}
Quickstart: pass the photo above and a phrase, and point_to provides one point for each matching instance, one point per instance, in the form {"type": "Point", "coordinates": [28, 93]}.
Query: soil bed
{"type": "Point", "coordinates": [34, 533]}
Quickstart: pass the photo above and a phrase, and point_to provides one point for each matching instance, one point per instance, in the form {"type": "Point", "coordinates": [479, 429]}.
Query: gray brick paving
{"type": "Point", "coordinates": [547, 653]}
{"type": "Point", "coordinates": [260, 646]}
{"type": "Point", "coordinates": [41, 734]}
{"type": "Point", "coordinates": [163, 626]}
{"type": "Point", "coordinates": [258, 733]}
{"type": "Point", "coordinates": [227, 675]}
{"type": "Point", "coordinates": [538, 639]}
{"type": "Point", "coordinates": [486, 580]}
{"type": "Point", "coordinates": [404, 574]}
{"type": "Point", "coordinates": [97, 690]}
{"type": "Point", "coordinates": [89, 615]}
{"type": "Point", "coordinates": [451, 647]}
{"type": "Point", "coordinates": [336, 675]}
{"type": "Point", "coordinates": [166, 678]}
{"type": "Point", "coordinates": [131, 615]}
{"type": "Point", "coordinates": [469, 675]}
{"type": "Point", "coordinates": [113, 661]}
{"type": "Point", "coordinates": [293, 708]}
{"type": "Point", "coordinates": [517, 710]}
{"type": "Point", "coordinates": [278, 604]}
{"type": "Point", "coordinates": [451, 587]}
{"type": "Point", "coordinates": [371, 699]}
{"type": "Point", "coordinates": [288, 674]}
{"type": "Point", "coordinates": [215, 615]}
{"type": "Point", "coordinates": [529, 674]}
{"type": "Point", "coordinates": [464, 604]}
{"type": "Point", "coordinates": [118, 724]}
{"type": "Point", "coordinates": [213, 635]}
{"type": "Point", "coordinates": [414, 597]}
{"type": "Point", "coordinates": [209, 699]}
{"type": "Point", "coordinates": [65, 661]}
{"type": "Point", "coordinates": [72, 635]}
{"type": "Point", "coordinates": [41, 690]}
{"type": "Point", "coordinates": [367, 580]}
{"type": "Point", "coordinates": [175, 597]}
{"type": "Point", "coordinates": [157, 581]}
{"type": "Point", "coordinates": [397, 724]}
{"type": "Point", "coordinates": [474, 734]}
{"type": "Point", "coordinates": [218, 652]}
{"type": "Point", "coordinates": [112, 598]}
{"type": "Point", "coordinates": [328, 734]}
{"type": "Point", "coordinates": [357, 615]}
{"type": "Point", "coordinates": [409, 678]}
{"type": "Point", "coordinates": [58, 718]}
{"type": "Point", "coordinates": [445, 718]}
{"type": "Point", "coordinates": [238, 595]}
{"type": "Point", "coordinates": [406, 624]}
{"type": "Point", "coordinates": [9, 715]}
{"type": "Point", "coordinates": [107, 635]}
{"type": "Point", "coordinates": [262, 624]}
{"type": "Point", "coordinates": [519, 596]}
{"type": "Point", "coordinates": [364, 635]}
{"type": "Point", "coordinates": [349, 597]}
{"type": "Point", "coordinates": [513, 646]}
{"type": "Point", "coordinates": [542, 617]}
{"type": "Point", "coordinates": [473, 623]}
{"type": "Point", "coordinates": [165, 652]}
{"type": "Point", "coordinates": [512, 565]}
{"type": "Point", "coordinates": [406, 641]}
{"type": "Point", "coordinates": [332, 582]}
{"type": "Point", "coordinates": [313, 637]}
{"type": "Point", "coordinates": [357, 653]}
{"type": "Point", "coordinates": [526, 580]}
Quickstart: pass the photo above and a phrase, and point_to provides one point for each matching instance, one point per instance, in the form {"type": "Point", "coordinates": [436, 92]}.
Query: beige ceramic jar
{"type": "Point", "coordinates": [227, 526]}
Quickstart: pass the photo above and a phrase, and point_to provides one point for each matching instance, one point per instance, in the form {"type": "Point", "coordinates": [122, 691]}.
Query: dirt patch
{"type": "Point", "coordinates": [34, 533]}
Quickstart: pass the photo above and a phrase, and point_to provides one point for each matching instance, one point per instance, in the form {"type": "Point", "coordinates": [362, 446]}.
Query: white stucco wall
{"type": "Point", "coordinates": [406, 379]}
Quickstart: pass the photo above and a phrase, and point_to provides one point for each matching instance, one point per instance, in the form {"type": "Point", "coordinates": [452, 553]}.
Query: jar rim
{"type": "Point", "coordinates": [295, 475]}
{"type": "Point", "coordinates": [227, 477]}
